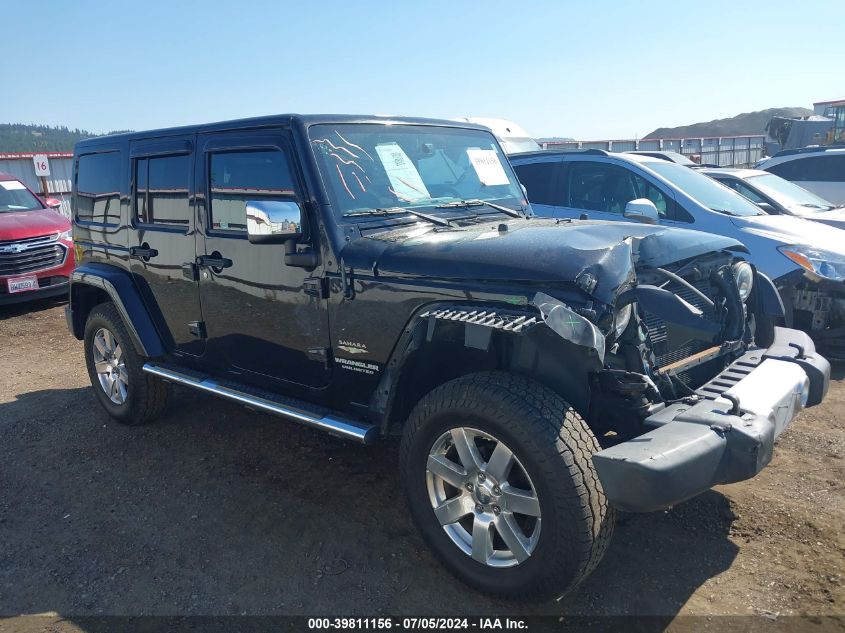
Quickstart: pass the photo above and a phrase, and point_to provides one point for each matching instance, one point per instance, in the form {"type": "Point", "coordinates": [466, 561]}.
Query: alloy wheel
{"type": "Point", "coordinates": [110, 365]}
{"type": "Point", "coordinates": [483, 497]}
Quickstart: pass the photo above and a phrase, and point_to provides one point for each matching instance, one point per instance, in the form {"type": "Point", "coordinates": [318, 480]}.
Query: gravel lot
{"type": "Point", "coordinates": [217, 510]}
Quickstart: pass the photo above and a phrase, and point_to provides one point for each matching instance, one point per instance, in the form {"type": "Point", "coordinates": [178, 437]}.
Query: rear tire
{"type": "Point", "coordinates": [127, 393]}
{"type": "Point", "coordinates": [562, 533]}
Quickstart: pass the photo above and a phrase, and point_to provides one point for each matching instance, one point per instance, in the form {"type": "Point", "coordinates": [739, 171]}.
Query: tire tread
{"type": "Point", "coordinates": [544, 414]}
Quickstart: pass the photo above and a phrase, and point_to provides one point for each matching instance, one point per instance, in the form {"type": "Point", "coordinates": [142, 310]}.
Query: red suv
{"type": "Point", "coordinates": [36, 251]}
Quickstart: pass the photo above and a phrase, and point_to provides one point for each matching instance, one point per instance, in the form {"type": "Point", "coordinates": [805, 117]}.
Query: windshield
{"type": "Point", "coordinates": [375, 166]}
{"type": "Point", "coordinates": [15, 197]}
{"type": "Point", "coordinates": [788, 194]}
{"type": "Point", "coordinates": [705, 190]}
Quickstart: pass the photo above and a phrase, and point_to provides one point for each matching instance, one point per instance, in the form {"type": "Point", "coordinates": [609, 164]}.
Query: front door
{"type": "Point", "coordinates": [266, 321]}
{"type": "Point", "coordinates": [162, 238]}
{"type": "Point", "coordinates": [601, 190]}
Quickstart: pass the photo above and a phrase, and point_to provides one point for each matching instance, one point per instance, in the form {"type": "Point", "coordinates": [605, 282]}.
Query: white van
{"type": "Point", "coordinates": [513, 138]}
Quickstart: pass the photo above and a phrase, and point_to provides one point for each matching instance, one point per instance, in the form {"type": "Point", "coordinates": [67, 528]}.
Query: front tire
{"type": "Point", "coordinates": [500, 481]}
{"type": "Point", "coordinates": [127, 393]}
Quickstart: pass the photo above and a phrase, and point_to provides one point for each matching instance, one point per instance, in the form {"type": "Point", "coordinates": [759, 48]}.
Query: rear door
{"type": "Point", "coordinates": [545, 185]}
{"type": "Point", "coordinates": [266, 320]}
{"type": "Point", "coordinates": [162, 237]}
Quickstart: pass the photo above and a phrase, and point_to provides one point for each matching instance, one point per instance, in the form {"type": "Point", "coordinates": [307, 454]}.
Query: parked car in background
{"type": "Point", "coordinates": [512, 137]}
{"type": "Point", "coordinates": [373, 276]}
{"type": "Point", "coordinates": [818, 169]}
{"type": "Point", "coordinates": [36, 251]}
{"type": "Point", "coordinates": [674, 157]}
{"type": "Point", "coordinates": [775, 195]}
{"type": "Point", "coordinates": [805, 259]}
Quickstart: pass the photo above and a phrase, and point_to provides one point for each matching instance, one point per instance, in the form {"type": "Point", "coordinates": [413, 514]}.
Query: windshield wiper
{"type": "Point", "coordinates": [397, 210]}
{"type": "Point", "coordinates": [732, 213]}
{"type": "Point", "coordinates": [477, 203]}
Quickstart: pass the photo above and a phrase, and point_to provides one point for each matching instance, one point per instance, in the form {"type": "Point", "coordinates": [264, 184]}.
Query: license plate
{"type": "Point", "coordinates": [22, 284]}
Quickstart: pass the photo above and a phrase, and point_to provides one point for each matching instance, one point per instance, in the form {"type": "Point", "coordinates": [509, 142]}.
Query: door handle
{"type": "Point", "coordinates": [144, 251]}
{"type": "Point", "coordinates": [214, 261]}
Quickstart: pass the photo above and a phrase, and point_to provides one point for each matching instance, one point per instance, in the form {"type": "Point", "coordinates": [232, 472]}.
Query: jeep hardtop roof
{"type": "Point", "coordinates": [305, 120]}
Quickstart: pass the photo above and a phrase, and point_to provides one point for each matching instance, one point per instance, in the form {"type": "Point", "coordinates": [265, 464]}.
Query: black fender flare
{"type": "Point", "coordinates": [121, 290]}
{"type": "Point", "coordinates": [481, 321]}
{"type": "Point", "coordinates": [769, 300]}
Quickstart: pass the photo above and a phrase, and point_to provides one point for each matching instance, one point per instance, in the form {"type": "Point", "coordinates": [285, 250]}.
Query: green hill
{"type": "Point", "coordinates": [741, 124]}
{"type": "Point", "coordinates": [20, 137]}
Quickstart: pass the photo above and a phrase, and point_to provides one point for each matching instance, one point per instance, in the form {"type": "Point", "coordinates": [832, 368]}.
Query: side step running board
{"type": "Point", "coordinates": [301, 412]}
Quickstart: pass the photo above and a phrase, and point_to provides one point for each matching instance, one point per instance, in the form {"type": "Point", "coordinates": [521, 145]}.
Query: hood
{"type": "Point", "coordinates": [17, 225]}
{"type": "Point", "coordinates": [789, 229]}
{"type": "Point", "coordinates": [833, 217]}
{"type": "Point", "coordinates": [533, 251]}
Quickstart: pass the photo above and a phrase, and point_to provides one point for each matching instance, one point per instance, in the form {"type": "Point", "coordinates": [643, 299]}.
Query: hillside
{"type": "Point", "coordinates": [19, 137]}
{"type": "Point", "coordinates": [746, 123]}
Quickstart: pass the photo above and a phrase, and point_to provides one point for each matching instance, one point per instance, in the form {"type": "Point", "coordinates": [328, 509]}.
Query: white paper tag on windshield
{"type": "Point", "coordinates": [488, 167]}
{"type": "Point", "coordinates": [403, 175]}
{"type": "Point", "coordinates": [11, 185]}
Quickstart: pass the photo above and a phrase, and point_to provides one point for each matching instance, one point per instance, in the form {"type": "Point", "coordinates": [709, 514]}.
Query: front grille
{"type": "Point", "coordinates": [667, 352]}
{"type": "Point", "coordinates": [30, 254]}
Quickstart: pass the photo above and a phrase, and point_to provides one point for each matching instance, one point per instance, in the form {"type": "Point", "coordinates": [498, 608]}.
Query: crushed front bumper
{"type": "Point", "coordinates": [727, 435]}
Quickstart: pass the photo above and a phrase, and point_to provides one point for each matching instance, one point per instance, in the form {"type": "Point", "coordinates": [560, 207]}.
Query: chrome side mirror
{"type": "Point", "coordinates": [642, 210]}
{"type": "Point", "coordinates": [273, 221]}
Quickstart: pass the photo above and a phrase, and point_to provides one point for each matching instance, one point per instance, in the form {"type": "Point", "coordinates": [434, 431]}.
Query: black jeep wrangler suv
{"type": "Point", "coordinates": [372, 276]}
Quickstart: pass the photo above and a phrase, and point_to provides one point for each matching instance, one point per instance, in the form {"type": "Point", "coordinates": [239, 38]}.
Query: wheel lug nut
{"type": "Point", "coordinates": [497, 490]}
{"type": "Point", "coordinates": [479, 507]}
{"type": "Point", "coordinates": [496, 509]}
{"type": "Point", "coordinates": [481, 476]}
{"type": "Point", "coordinates": [470, 487]}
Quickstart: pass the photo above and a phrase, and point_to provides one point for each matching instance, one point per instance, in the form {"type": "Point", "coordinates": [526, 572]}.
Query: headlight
{"type": "Point", "coordinates": [621, 320]}
{"type": "Point", "coordinates": [822, 263]}
{"type": "Point", "coordinates": [744, 276]}
{"type": "Point", "coordinates": [66, 235]}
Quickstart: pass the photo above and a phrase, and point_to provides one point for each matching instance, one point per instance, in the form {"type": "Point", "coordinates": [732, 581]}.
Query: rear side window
{"type": "Point", "coordinates": [161, 190]}
{"type": "Point", "coordinates": [828, 168]}
{"type": "Point", "coordinates": [240, 176]}
{"type": "Point", "coordinates": [745, 191]}
{"type": "Point", "coordinates": [540, 180]}
{"type": "Point", "coordinates": [98, 187]}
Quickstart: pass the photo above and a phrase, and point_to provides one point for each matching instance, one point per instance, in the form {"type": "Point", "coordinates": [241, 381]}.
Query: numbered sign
{"type": "Point", "coordinates": [42, 165]}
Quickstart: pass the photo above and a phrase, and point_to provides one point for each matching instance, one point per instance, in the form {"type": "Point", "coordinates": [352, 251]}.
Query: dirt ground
{"type": "Point", "coordinates": [218, 510]}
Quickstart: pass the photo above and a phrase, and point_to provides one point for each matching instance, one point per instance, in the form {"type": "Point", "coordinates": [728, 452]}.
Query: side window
{"type": "Point", "coordinates": [600, 187]}
{"type": "Point", "coordinates": [98, 187]}
{"type": "Point", "coordinates": [540, 180]}
{"type": "Point", "coordinates": [161, 190]}
{"type": "Point", "coordinates": [745, 191]}
{"type": "Point", "coordinates": [237, 177]}
{"type": "Point", "coordinates": [646, 190]}
{"type": "Point", "coordinates": [829, 168]}
{"type": "Point", "coordinates": [729, 182]}
{"type": "Point", "coordinates": [835, 169]}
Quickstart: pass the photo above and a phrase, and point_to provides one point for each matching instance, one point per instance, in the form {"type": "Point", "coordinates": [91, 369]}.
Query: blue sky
{"type": "Point", "coordinates": [584, 69]}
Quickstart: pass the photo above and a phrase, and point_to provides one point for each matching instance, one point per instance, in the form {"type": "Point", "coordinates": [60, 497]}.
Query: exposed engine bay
{"type": "Point", "coordinates": [690, 320]}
